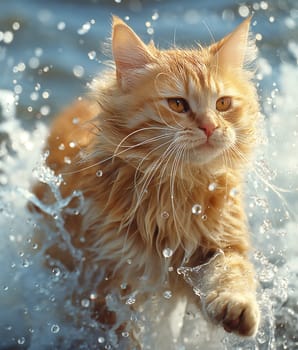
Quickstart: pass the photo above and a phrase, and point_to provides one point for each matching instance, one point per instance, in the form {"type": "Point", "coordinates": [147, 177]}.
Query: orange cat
{"type": "Point", "coordinates": [159, 152]}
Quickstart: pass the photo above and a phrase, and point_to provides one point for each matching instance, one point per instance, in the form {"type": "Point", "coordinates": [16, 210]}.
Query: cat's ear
{"type": "Point", "coordinates": [236, 48]}
{"type": "Point", "coordinates": [130, 53]}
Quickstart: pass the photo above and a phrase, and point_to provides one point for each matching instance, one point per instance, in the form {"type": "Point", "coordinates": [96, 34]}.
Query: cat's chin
{"type": "Point", "coordinates": [203, 157]}
{"type": "Point", "coordinates": [204, 154]}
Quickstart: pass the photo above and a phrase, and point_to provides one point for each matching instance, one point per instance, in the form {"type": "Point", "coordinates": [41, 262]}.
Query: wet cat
{"type": "Point", "coordinates": [159, 151]}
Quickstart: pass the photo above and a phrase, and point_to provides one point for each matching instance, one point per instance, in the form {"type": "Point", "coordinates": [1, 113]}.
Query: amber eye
{"type": "Point", "coordinates": [223, 103]}
{"type": "Point", "coordinates": [178, 105]}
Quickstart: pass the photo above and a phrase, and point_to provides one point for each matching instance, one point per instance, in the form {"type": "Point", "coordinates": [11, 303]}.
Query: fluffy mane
{"type": "Point", "coordinates": [149, 178]}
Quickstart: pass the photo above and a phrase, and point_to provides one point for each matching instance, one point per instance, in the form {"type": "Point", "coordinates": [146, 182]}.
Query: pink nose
{"type": "Point", "coordinates": [208, 129]}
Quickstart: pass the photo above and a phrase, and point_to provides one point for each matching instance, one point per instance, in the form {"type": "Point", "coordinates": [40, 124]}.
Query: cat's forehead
{"type": "Point", "coordinates": [190, 60]}
{"type": "Point", "coordinates": [193, 73]}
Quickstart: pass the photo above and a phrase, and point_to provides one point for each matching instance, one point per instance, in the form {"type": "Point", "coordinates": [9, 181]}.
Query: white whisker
{"type": "Point", "coordinates": [178, 155]}
{"type": "Point", "coordinates": [152, 171]}
{"type": "Point", "coordinates": [135, 132]}
{"type": "Point", "coordinates": [153, 139]}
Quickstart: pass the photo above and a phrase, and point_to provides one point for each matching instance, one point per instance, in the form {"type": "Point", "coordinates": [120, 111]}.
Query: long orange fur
{"type": "Point", "coordinates": [142, 167]}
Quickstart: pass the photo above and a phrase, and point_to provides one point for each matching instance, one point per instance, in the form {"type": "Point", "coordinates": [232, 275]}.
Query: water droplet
{"type": "Point", "coordinates": [165, 215]}
{"type": "Point", "coordinates": [85, 302]}
{"type": "Point", "coordinates": [155, 16]}
{"type": "Point", "coordinates": [61, 25]}
{"type": "Point", "coordinates": [212, 186]}
{"type": "Point", "coordinates": [34, 62]}
{"type": "Point", "coordinates": [72, 144]}
{"type": "Point", "coordinates": [234, 192]}
{"type": "Point", "coordinates": [123, 285]}
{"type": "Point", "coordinates": [131, 300]}
{"type": "Point", "coordinates": [55, 328]}
{"type": "Point", "coordinates": [101, 340]}
{"type": "Point", "coordinates": [264, 5]}
{"type": "Point", "coordinates": [34, 96]}
{"type": "Point", "coordinates": [196, 209]}
{"type": "Point", "coordinates": [67, 160]}
{"type": "Point", "coordinates": [259, 36]}
{"type": "Point", "coordinates": [93, 295]}
{"type": "Point", "coordinates": [167, 252]}
{"type": "Point", "coordinates": [125, 334]}
{"type": "Point", "coordinates": [56, 271]}
{"type": "Point", "coordinates": [92, 55]}
{"type": "Point", "coordinates": [5, 288]}
{"type": "Point", "coordinates": [271, 19]}
{"type": "Point", "coordinates": [243, 11]}
{"type": "Point", "coordinates": [84, 28]}
{"type": "Point", "coordinates": [99, 173]}
{"type": "Point", "coordinates": [25, 263]}
{"type": "Point", "coordinates": [7, 37]}
{"type": "Point", "coordinates": [204, 217]}
{"type": "Point", "coordinates": [46, 69]}
{"type": "Point", "coordinates": [16, 26]}
{"type": "Point", "coordinates": [55, 216]}
{"type": "Point", "coordinates": [18, 89]}
{"type": "Point", "coordinates": [167, 294]}
{"type": "Point", "coordinates": [82, 239]}
{"type": "Point", "coordinates": [75, 120]}
{"type": "Point", "coordinates": [21, 341]}
{"type": "Point", "coordinates": [78, 71]}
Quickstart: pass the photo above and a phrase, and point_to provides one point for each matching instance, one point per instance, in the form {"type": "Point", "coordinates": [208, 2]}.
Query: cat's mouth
{"type": "Point", "coordinates": [207, 144]}
{"type": "Point", "coordinates": [201, 148]}
{"type": "Point", "coordinates": [204, 151]}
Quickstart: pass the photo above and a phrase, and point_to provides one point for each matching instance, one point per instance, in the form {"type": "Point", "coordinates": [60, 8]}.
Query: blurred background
{"type": "Point", "coordinates": [49, 52]}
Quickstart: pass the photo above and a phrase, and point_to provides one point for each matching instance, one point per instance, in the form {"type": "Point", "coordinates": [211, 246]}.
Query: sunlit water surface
{"type": "Point", "coordinates": [48, 53]}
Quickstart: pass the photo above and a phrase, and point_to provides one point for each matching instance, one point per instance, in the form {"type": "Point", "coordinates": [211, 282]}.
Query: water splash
{"type": "Point", "coordinates": [31, 297]}
{"type": "Point", "coordinates": [194, 275]}
{"type": "Point", "coordinates": [265, 338]}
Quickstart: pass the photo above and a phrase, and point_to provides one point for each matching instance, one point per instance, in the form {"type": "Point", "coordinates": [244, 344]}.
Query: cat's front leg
{"type": "Point", "coordinates": [230, 294]}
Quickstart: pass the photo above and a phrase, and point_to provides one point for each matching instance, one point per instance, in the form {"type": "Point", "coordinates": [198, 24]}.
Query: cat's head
{"type": "Point", "coordinates": [173, 107]}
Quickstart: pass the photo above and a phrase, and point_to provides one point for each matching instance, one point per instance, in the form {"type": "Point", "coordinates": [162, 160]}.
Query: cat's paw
{"type": "Point", "coordinates": [238, 313]}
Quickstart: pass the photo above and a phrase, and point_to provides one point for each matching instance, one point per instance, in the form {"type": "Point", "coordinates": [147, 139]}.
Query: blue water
{"type": "Point", "coordinates": [49, 51]}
